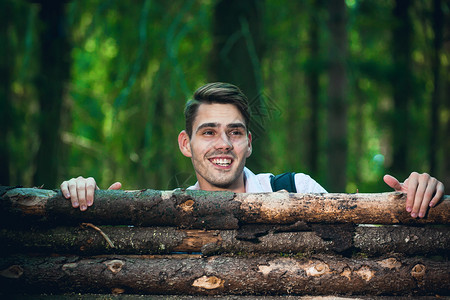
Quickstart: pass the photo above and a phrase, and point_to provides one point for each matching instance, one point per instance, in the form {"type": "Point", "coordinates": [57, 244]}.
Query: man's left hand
{"type": "Point", "coordinates": [422, 191]}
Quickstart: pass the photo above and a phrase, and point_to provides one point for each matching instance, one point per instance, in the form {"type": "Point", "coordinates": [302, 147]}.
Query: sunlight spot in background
{"type": "Point", "coordinates": [378, 159]}
{"type": "Point", "coordinates": [90, 45]}
{"type": "Point", "coordinates": [110, 48]}
{"type": "Point", "coordinates": [350, 3]}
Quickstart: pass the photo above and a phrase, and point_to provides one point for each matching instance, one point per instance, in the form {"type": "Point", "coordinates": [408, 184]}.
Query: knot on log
{"type": "Point", "coordinates": [411, 238]}
{"type": "Point", "coordinates": [418, 271]}
{"type": "Point", "coordinates": [117, 291]}
{"type": "Point", "coordinates": [187, 206]}
{"type": "Point", "coordinates": [346, 273]}
{"type": "Point", "coordinates": [68, 267]}
{"type": "Point", "coordinates": [208, 282]}
{"type": "Point", "coordinates": [14, 272]}
{"type": "Point", "coordinates": [390, 263]}
{"type": "Point", "coordinates": [115, 265]}
{"type": "Point", "coordinates": [365, 273]}
{"type": "Point", "coordinates": [318, 269]}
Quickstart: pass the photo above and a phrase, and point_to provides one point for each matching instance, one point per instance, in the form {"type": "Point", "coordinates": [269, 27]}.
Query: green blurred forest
{"type": "Point", "coordinates": [345, 91]}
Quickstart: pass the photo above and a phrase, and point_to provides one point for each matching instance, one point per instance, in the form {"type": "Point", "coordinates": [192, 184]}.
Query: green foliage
{"type": "Point", "coordinates": [134, 64]}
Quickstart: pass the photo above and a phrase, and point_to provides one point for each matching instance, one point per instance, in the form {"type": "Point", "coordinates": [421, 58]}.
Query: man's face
{"type": "Point", "coordinates": [218, 148]}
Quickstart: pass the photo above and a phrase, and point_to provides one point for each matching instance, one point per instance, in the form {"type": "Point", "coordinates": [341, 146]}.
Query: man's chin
{"type": "Point", "coordinates": [223, 183]}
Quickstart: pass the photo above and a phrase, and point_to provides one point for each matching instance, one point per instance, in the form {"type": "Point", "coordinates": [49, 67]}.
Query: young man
{"type": "Point", "coordinates": [218, 142]}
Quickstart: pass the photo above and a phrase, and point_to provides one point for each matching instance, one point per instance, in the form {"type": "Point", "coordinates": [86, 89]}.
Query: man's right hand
{"type": "Point", "coordinates": [81, 190]}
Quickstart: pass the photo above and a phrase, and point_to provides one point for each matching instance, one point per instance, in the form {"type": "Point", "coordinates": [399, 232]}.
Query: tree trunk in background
{"type": "Point", "coordinates": [402, 85]}
{"type": "Point", "coordinates": [236, 58]}
{"type": "Point", "coordinates": [51, 84]}
{"type": "Point", "coordinates": [446, 125]}
{"type": "Point", "coordinates": [437, 21]}
{"type": "Point", "coordinates": [337, 98]}
{"type": "Point", "coordinates": [313, 92]}
{"type": "Point", "coordinates": [6, 66]}
{"type": "Point", "coordinates": [358, 134]}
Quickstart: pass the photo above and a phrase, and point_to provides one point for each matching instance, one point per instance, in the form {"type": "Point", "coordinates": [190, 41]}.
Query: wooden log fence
{"type": "Point", "coordinates": [221, 243]}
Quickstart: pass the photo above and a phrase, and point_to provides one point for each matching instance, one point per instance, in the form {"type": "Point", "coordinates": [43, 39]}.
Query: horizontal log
{"type": "Point", "coordinates": [262, 275]}
{"type": "Point", "coordinates": [92, 240]}
{"type": "Point", "coordinates": [213, 210]}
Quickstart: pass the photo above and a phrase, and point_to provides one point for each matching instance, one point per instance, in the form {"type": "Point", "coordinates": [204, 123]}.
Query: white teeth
{"type": "Point", "coordinates": [221, 162]}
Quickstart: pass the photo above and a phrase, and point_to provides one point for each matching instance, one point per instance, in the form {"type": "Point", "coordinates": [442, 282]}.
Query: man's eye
{"type": "Point", "coordinates": [236, 132]}
{"type": "Point", "coordinates": [208, 132]}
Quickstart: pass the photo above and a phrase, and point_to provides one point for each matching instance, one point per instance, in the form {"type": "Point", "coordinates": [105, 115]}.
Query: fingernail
{"type": "Point", "coordinates": [431, 204]}
{"type": "Point", "coordinates": [75, 204]}
{"type": "Point", "coordinates": [408, 209]}
{"type": "Point", "coordinates": [67, 195]}
{"type": "Point", "coordinates": [414, 215]}
{"type": "Point", "coordinates": [421, 215]}
{"type": "Point", "coordinates": [83, 207]}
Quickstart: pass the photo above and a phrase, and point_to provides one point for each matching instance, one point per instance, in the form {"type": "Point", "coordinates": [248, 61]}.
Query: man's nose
{"type": "Point", "coordinates": [223, 142]}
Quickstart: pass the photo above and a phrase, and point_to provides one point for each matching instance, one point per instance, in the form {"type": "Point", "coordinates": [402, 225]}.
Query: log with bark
{"type": "Point", "coordinates": [242, 275]}
{"type": "Point", "coordinates": [88, 239]}
{"type": "Point", "coordinates": [212, 210]}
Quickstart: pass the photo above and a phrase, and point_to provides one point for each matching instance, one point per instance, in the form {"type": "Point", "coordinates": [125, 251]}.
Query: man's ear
{"type": "Point", "coordinates": [184, 144]}
{"type": "Point", "coordinates": [250, 149]}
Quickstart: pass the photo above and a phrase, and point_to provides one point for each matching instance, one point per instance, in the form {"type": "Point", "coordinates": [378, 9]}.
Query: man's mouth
{"type": "Point", "coordinates": [222, 162]}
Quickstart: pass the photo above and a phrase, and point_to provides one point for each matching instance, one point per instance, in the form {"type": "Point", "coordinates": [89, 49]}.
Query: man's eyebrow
{"type": "Point", "coordinates": [207, 125]}
{"type": "Point", "coordinates": [237, 125]}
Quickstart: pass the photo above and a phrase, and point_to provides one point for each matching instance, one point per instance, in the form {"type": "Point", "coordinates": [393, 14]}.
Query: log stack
{"type": "Point", "coordinates": [221, 243]}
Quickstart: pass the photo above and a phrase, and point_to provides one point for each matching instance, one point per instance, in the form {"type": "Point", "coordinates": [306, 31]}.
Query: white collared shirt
{"type": "Point", "coordinates": [261, 183]}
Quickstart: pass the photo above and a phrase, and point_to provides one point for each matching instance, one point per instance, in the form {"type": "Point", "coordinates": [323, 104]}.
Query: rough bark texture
{"type": "Point", "coordinates": [212, 210]}
{"type": "Point", "coordinates": [403, 239]}
{"type": "Point", "coordinates": [371, 241]}
{"type": "Point", "coordinates": [224, 275]}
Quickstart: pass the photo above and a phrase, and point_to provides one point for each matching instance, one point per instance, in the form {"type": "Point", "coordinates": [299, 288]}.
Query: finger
{"type": "Point", "coordinates": [115, 186]}
{"type": "Point", "coordinates": [90, 190]}
{"type": "Point", "coordinates": [411, 193]}
{"type": "Point", "coordinates": [65, 189]}
{"type": "Point", "coordinates": [72, 183]}
{"type": "Point", "coordinates": [81, 192]}
{"type": "Point", "coordinates": [429, 191]}
{"type": "Point", "coordinates": [418, 199]}
{"type": "Point", "coordinates": [392, 182]}
{"type": "Point", "coordinates": [438, 195]}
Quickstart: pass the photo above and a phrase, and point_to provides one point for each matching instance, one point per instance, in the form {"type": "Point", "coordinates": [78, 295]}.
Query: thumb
{"type": "Point", "coordinates": [393, 182]}
{"type": "Point", "coordinates": [115, 186]}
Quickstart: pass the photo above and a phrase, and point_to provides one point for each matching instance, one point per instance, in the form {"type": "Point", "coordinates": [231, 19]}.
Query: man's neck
{"type": "Point", "coordinates": [239, 187]}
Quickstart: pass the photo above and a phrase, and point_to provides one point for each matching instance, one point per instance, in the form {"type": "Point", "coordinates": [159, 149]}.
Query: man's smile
{"type": "Point", "coordinates": [222, 162]}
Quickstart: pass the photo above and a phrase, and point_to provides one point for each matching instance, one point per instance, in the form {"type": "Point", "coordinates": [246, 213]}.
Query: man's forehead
{"type": "Point", "coordinates": [221, 114]}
